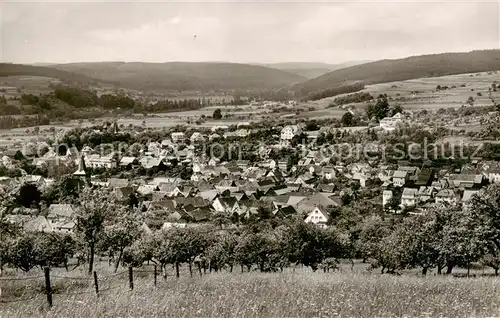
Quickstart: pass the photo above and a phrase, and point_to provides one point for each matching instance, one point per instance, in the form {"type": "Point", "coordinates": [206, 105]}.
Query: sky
{"type": "Point", "coordinates": [243, 31]}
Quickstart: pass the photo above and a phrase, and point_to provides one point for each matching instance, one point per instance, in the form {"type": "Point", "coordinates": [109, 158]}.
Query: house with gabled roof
{"type": "Point", "coordinates": [468, 195]}
{"type": "Point", "coordinates": [146, 189]}
{"type": "Point", "coordinates": [60, 213]}
{"type": "Point", "coordinates": [400, 178]}
{"type": "Point", "coordinates": [424, 177]}
{"type": "Point", "coordinates": [266, 184]}
{"type": "Point", "coordinates": [386, 197]}
{"type": "Point", "coordinates": [227, 205]}
{"type": "Point", "coordinates": [467, 181]}
{"type": "Point", "coordinates": [491, 170]}
{"type": "Point", "coordinates": [426, 193]}
{"type": "Point", "coordinates": [318, 217]}
{"type": "Point", "coordinates": [123, 193]}
{"type": "Point", "coordinates": [446, 196]}
{"type": "Point", "coordinates": [226, 184]}
{"type": "Point", "coordinates": [37, 224]}
{"type": "Point", "coordinates": [150, 163]}
{"type": "Point", "coordinates": [409, 197]}
{"type": "Point", "coordinates": [128, 162]}
{"type": "Point", "coordinates": [200, 214]}
{"type": "Point", "coordinates": [285, 212]}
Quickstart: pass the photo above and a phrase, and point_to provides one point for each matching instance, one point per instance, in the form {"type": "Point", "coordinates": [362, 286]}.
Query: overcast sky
{"type": "Point", "coordinates": [254, 31]}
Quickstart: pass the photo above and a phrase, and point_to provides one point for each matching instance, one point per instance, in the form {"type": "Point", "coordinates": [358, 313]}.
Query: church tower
{"type": "Point", "coordinates": [81, 173]}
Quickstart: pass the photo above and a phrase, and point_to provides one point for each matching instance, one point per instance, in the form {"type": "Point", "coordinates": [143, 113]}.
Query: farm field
{"type": "Point", "coordinates": [290, 294]}
{"type": "Point", "coordinates": [403, 92]}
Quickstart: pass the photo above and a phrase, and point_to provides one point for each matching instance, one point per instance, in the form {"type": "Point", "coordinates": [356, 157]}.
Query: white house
{"type": "Point", "coordinates": [227, 205]}
{"type": "Point", "coordinates": [386, 197]}
{"type": "Point", "coordinates": [318, 217]}
{"type": "Point", "coordinates": [409, 197]}
{"type": "Point", "coordinates": [96, 161]}
{"type": "Point", "coordinates": [288, 132]}
{"type": "Point", "coordinates": [399, 178]}
{"type": "Point", "coordinates": [60, 217]}
{"type": "Point", "coordinates": [390, 123]}
{"type": "Point", "coordinates": [196, 136]}
{"type": "Point", "coordinates": [445, 196]}
{"type": "Point", "coordinates": [177, 136]}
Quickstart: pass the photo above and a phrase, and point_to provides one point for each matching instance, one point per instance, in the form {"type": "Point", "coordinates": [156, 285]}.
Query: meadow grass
{"type": "Point", "coordinates": [289, 294]}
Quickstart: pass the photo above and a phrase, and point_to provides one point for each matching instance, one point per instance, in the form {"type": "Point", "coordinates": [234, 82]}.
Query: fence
{"type": "Point", "coordinates": [93, 281]}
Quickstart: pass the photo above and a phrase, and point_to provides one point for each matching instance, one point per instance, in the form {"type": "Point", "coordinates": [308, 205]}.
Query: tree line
{"type": "Point", "coordinates": [442, 238]}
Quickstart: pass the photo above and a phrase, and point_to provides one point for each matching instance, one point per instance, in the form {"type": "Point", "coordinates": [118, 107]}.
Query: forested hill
{"type": "Point", "coordinates": [8, 69]}
{"type": "Point", "coordinates": [183, 76]}
{"type": "Point", "coordinates": [404, 69]}
{"type": "Point", "coordinates": [310, 69]}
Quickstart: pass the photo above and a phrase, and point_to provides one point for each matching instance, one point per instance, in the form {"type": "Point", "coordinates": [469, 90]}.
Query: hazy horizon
{"type": "Point", "coordinates": [249, 32]}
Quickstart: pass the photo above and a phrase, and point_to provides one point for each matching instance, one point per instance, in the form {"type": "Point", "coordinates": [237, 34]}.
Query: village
{"type": "Point", "coordinates": [192, 177]}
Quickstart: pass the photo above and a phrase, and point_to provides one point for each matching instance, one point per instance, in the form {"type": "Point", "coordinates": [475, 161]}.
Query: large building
{"type": "Point", "coordinates": [288, 132]}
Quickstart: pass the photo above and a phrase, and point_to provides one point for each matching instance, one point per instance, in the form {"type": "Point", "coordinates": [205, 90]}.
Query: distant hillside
{"type": "Point", "coordinates": [8, 69]}
{"type": "Point", "coordinates": [310, 69]}
{"type": "Point", "coordinates": [183, 76]}
{"type": "Point", "coordinates": [404, 69]}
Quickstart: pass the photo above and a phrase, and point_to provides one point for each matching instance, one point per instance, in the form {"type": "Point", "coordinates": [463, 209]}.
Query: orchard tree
{"type": "Point", "coordinates": [53, 249]}
{"type": "Point", "coordinates": [221, 251]}
{"type": "Point", "coordinates": [22, 253]}
{"type": "Point", "coordinates": [94, 209]}
{"type": "Point", "coordinates": [142, 250]}
{"type": "Point", "coordinates": [120, 235]}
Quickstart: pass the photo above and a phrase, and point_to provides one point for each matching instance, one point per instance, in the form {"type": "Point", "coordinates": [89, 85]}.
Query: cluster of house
{"type": "Point", "coordinates": [415, 187]}
{"type": "Point", "coordinates": [242, 189]}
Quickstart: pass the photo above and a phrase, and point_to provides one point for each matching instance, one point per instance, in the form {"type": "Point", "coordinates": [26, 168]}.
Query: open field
{"type": "Point", "coordinates": [421, 94]}
{"type": "Point", "coordinates": [290, 294]}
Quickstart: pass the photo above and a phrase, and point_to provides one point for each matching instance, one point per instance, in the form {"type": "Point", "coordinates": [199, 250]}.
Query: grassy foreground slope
{"type": "Point", "coordinates": [185, 75]}
{"type": "Point", "coordinates": [407, 68]}
{"type": "Point", "coordinates": [301, 294]}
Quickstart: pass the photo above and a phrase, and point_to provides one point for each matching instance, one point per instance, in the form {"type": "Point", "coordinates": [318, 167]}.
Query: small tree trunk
{"type": "Point", "coordinates": [352, 265]}
{"type": "Point", "coordinates": [440, 268]}
{"type": "Point", "coordinates": [190, 269]}
{"type": "Point", "coordinates": [199, 268]}
{"type": "Point", "coordinates": [424, 271]}
{"type": "Point", "coordinates": [231, 268]}
{"type": "Point", "coordinates": [468, 270]}
{"type": "Point", "coordinates": [449, 269]}
{"type": "Point", "coordinates": [91, 258]}
{"type": "Point", "coordinates": [241, 266]}
{"type": "Point", "coordinates": [177, 269]}
{"type": "Point", "coordinates": [164, 271]}
{"type": "Point", "coordinates": [118, 260]}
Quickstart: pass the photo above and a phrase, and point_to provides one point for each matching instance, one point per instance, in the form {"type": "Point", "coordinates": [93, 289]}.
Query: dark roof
{"type": "Point", "coordinates": [286, 211]}
{"type": "Point", "coordinates": [228, 202]}
{"type": "Point", "coordinates": [200, 214]}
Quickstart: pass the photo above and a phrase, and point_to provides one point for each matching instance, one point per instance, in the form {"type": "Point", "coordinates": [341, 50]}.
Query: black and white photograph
{"type": "Point", "coordinates": [251, 158]}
